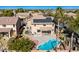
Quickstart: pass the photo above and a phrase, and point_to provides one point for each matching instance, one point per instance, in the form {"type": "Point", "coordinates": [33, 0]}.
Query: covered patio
{"type": "Point", "coordinates": [46, 30]}
{"type": "Point", "coordinates": [5, 32]}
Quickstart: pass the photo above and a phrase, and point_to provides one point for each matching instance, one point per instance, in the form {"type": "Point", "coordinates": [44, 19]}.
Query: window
{"type": "Point", "coordinates": [27, 27]}
{"type": "Point", "coordinates": [52, 24]}
{"type": "Point", "coordinates": [34, 24]}
{"type": "Point", "coordinates": [44, 24]}
{"type": "Point", "coordinates": [38, 30]}
{"type": "Point", "coordinates": [13, 25]}
{"type": "Point", "coordinates": [4, 25]}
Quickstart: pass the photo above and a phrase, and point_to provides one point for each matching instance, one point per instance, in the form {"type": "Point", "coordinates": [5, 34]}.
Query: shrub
{"type": "Point", "coordinates": [20, 44]}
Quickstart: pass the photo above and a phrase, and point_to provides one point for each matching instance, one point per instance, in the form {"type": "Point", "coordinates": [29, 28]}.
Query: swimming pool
{"type": "Point", "coordinates": [49, 45]}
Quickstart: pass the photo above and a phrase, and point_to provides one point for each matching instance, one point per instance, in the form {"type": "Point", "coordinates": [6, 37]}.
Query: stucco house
{"type": "Point", "coordinates": [42, 26]}
{"type": "Point", "coordinates": [22, 15]}
{"type": "Point", "coordinates": [70, 14]}
{"type": "Point", "coordinates": [9, 26]}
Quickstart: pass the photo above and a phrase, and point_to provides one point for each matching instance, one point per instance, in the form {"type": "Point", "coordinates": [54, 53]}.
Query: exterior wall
{"type": "Point", "coordinates": [8, 26]}
{"type": "Point", "coordinates": [38, 27]}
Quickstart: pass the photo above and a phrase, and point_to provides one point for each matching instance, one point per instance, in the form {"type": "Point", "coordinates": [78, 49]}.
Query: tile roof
{"type": "Point", "coordinates": [45, 28]}
{"type": "Point", "coordinates": [22, 15]}
{"type": "Point", "coordinates": [8, 20]}
{"type": "Point", "coordinates": [36, 16]}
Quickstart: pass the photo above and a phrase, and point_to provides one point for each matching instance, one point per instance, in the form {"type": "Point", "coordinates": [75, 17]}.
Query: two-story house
{"type": "Point", "coordinates": [9, 26]}
{"type": "Point", "coordinates": [42, 26]}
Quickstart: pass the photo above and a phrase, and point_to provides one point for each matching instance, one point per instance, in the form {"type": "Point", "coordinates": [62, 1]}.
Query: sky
{"type": "Point", "coordinates": [38, 7]}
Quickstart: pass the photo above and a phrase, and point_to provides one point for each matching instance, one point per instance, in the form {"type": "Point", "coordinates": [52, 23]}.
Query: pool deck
{"type": "Point", "coordinates": [43, 38]}
{"type": "Point", "coordinates": [40, 40]}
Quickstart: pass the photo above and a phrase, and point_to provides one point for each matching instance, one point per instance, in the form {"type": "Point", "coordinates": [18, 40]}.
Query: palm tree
{"type": "Point", "coordinates": [59, 16]}
{"type": "Point", "coordinates": [59, 13]}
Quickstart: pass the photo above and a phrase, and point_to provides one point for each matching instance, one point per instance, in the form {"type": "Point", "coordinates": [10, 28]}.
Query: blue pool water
{"type": "Point", "coordinates": [49, 45]}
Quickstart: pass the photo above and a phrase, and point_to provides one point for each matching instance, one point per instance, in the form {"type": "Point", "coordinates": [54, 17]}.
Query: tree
{"type": "Point", "coordinates": [20, 44]}
{"type": "Point", "coordinates": [42, 10]}
{"type": "Point", "coordinates": [37, 10]}
{"type": "Point", "coordinates": [74, 24]}
{"type": "Point", "coordinates": [7, 13]}
{"type": "Point", "coordinates": [20, 10]}
{"type": "Point", "coordinates": [59, 16]}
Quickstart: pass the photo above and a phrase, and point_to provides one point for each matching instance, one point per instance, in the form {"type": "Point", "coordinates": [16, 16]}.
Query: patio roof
{"type": "Point", "coordinates": [46, 28]}
{"type": "Point", "coordinates": [5, 29]}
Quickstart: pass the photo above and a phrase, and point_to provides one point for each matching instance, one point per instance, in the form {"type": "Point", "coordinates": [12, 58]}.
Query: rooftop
{"type": "Point", "coordinates": [45, 28]}
{"type": "Point", "coordinates": [70, 14]}
{"type": "Point", "coordinates": [22, 15]}
{"type": "Point", "coordinates": [8, 20]}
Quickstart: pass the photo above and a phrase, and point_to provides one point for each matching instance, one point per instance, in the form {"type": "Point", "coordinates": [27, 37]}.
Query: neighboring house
{"type": "Point", "coordinates": [24, 17]}
{"type": "Point", "coordinates": [70, 14]}
{"type": "Point", "coordinates": [42, 26]}
{"type": "Point", "coordinates": [9, 26]}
